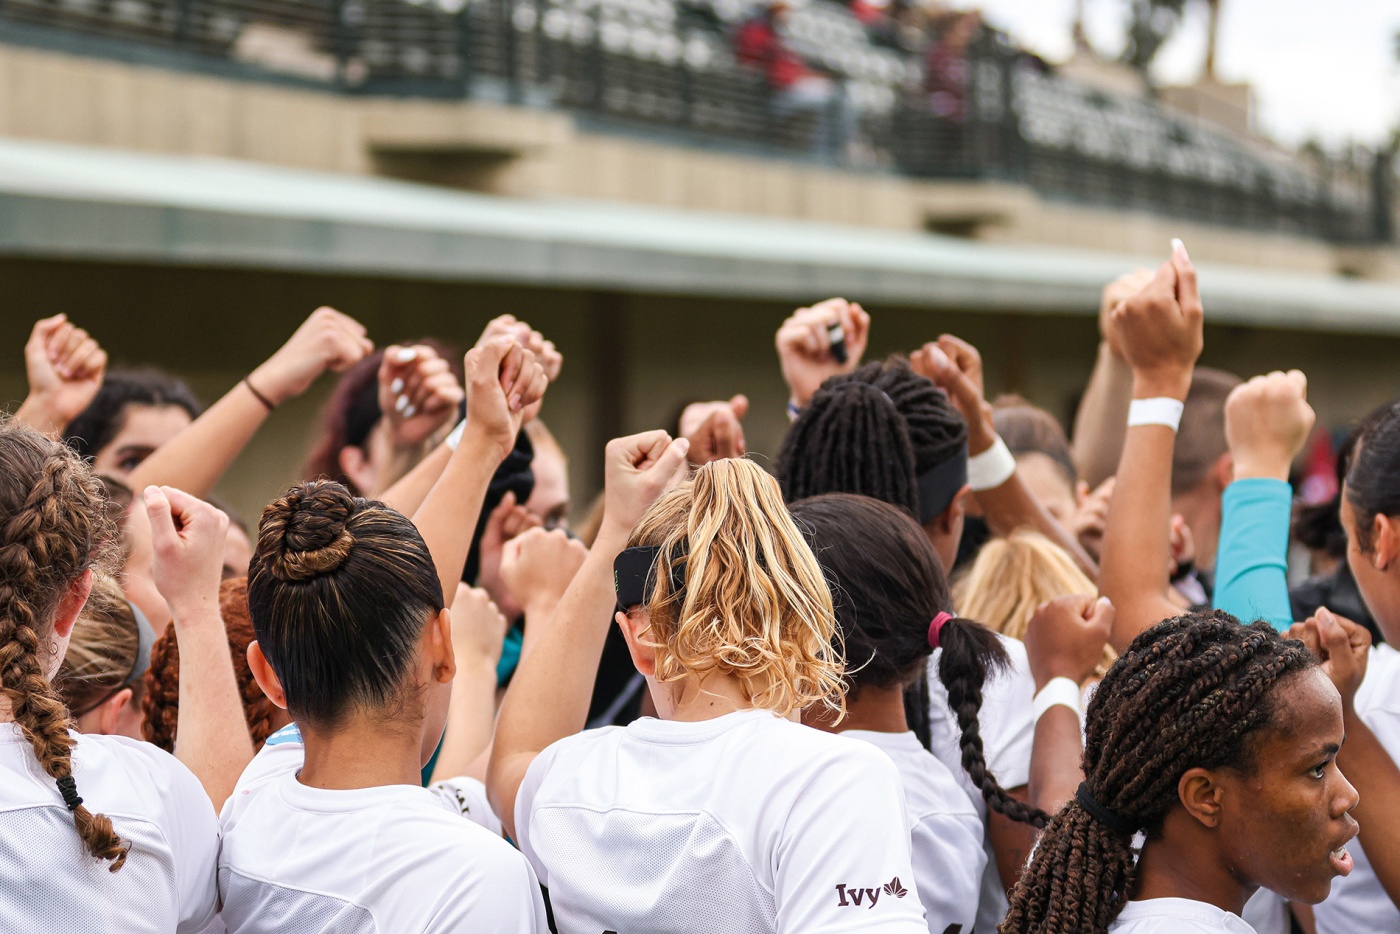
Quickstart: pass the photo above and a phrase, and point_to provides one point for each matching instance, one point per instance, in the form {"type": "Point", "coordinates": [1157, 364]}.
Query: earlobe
{"type": "Point", "coordinates": [265, 676]}
{"type": "Point", "coordinates": [1200, 794]}
{"type": "Point", "coordinates": [71, 606]}
{"type": "Point", "coordinates": [1385, 534]}
{"type": "Point", "coordinates": [1225, 470]}
{"type": "Point", "coordinates": [643, 656]}
{"type": "Point", "coordinates": [355, 464]}
{"type": "Point", "coordinates": [445, 664]}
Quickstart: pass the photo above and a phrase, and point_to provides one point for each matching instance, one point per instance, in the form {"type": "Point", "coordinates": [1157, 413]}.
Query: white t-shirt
{"type": "Point", "coordinates": [746, 823]}
{"type": "Point", "coordinates": [1007, 725]}
{"type": "Point", "coordinates": [1177, 916]}
{"type": "Point", "coordinates": [395, 858]}
{"type": "Point", "coordinates": [53, 884]}
{"type": "Point", "coordinates": [1358, 903]}
{"type": "Point", "coordinates": [946, 833]}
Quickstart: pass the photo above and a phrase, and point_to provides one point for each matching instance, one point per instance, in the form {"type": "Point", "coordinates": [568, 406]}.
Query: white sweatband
{"type": "Point", "coordinates": [1058, 692]}
{"type": "Point", "coordinates": [1162, 410]}
{"type": "Point", "coordinates": [455, 438]}
{"type": "Point", "coordinates": [991, 468]}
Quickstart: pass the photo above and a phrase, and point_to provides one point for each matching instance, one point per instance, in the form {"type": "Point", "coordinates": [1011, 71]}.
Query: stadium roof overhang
{"type": "Point", "coordinates": [61, 201]}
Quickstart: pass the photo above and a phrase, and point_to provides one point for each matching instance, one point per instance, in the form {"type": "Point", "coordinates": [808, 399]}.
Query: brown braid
{"type": "Point", "coordinates": [1191, 692]}
{"type": "Point", "coordinates": [54, 527]}
{"type": "Point", "coordinates": [161, 706]}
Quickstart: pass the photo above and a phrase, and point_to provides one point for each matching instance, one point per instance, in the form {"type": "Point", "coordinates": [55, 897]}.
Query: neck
{"type": "Point", "coordinates": [878, 710]}
{"type": "Point", "coordinates": [1201, 510]}
{"type": "Point", "coordinates": [1187, 865]}
{"type": "Point", "coordinates": [363, 752]}
{"type": "Point", "coordinates": [693, 699]}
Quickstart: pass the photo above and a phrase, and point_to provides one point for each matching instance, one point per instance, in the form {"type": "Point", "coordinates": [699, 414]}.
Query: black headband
{"type": "Point", "coordinates": [1104, 815]}
{"type": "Point", "coordinates": [938, 485]}
{"type": "Point", "coordinates": [633, 572]}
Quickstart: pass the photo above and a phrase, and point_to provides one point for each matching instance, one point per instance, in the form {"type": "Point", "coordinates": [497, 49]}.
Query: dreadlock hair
{"type": "Point", "coordinates": [887, 586]}
{"type": "Point", "coordinates": [1191, 692]}
{"type": "Point", "coordinates": [874, 432]}
{"type": "Point", "coordinates": [160, 708]}
{"type": "Point", "coordinates": [54, 527]}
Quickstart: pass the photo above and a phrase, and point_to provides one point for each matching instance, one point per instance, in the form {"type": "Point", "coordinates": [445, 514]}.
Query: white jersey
{"type": "Point", "coordinates": [945, 832]}
{"type": "Point", "coordinates": [394, 858]}
{"type": "Point", "coordinates": [1007, 726]}
{"type": "Point", "coordinates": [53, 884]}
{"type": "Point", "coordinates": [1358, 903]}
{"type": "Point", "coordinates": [1177, 916]}
{"type": "Point", "coordinates": [746, 823]}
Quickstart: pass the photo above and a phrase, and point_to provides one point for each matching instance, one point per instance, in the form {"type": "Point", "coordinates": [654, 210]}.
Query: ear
{"type": "Point", "coordinates": [1201, 794]}
{"type": "Point", "coordinates": [109, 713]}
{"type": "Point", "coordinates": [643, 656]}
{"type": "Point", "coordinates": [1081, 493]}
{"type": "Point", "coordinates": [1385, 541]}
{"type": "Point", "coordinates": [265, 676]}
{"type": "Point", "coordinates": [71, 605]}
{"type": "Point", "coordinates": [951, 519]}
{"type": "Point", "coordinates": [355, 464]}
{"type": "Point", "coordinates": [438, 646]}
{"type": "Point", "coordinates": [1223, 470]}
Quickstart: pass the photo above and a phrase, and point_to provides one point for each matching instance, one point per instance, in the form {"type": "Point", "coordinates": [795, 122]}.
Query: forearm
{"type": "Point", "coordinates": [212, 737]}
{"type": "Point", "coordinates": [41, 418]}
{"type": "Point", "coordinates": [198, 456]}
{"type": "Point", "coordinates": [409, 491]}
{"type": "Point", "coordinates": [1012, 506]}
{"type": "Point", "coordinates": [1012, 842]}
{"type": "Point", "coordinates": [1251, 565]}
{"type": "Point", "coordinates": [1056, 759]}
{"type": "Point", "coordinates": [1102, 418]}
{"type": "Point", "coordinates": [539, 616]}
{"type": "Point", "coordinates": [471, 716]}
{"type": "Point", "coordinates": [447, 519]}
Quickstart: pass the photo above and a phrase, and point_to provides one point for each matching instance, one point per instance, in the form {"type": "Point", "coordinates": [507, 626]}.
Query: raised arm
{"type": "Point", "coordinates": [197, 457]}
{"type": "Point", "coordinates": [548, 698]}
{"type": "Point", "coordinates": [1267, 422]}
{"type": "Point", "coordinates": [65, 367]}
{"type": "Point", "coordinates": [538, 566]}
{"type": "Point", "coordinates": [819, 342]}
{"type": "Point", "coordinates": [478, 629]}
{"type": "Point", "coordinates": [1103, 411]}
{"type": "Point", "coordinates": [187, 536]}
{"type": "Point", "coordinates": [1161, 331]}
{"type": "Point", "coordinates": [956, 367]}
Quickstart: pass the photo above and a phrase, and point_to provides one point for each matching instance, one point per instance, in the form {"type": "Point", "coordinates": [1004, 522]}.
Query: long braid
{"type": "Point", "coordinates": [1188, 693]}
{"type": "Point", "coordinates": [53, 527]}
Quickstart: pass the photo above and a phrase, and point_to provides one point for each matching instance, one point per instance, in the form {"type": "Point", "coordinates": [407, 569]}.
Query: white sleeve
{"type": "Point", "coordinates": [502, 897]}
{"type": "Point", "coordinates": [467, 796]}
{"type": "Point", "coordinates": [194, 841]}
{"type": "Point", "coordinates": [948, 862]}
{"type": "Point", "coordinates": [525, 808]}
{"type": "Point", "coordinates": [1007, 719]}
{"type": "Point", "coordinates": [842, 861]}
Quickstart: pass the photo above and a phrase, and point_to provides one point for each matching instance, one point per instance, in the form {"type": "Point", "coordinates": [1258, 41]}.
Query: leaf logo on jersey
{"type": "Point", "coordinates": [854, 896]}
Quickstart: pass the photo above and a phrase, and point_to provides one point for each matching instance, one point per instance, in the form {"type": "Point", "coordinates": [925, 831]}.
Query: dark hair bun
{"type": "Point", "coordinates": [303, 534]}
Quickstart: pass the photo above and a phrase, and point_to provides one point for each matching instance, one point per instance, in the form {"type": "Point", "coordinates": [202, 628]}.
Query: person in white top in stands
{"type": "Point", "coordinates": [891, 599]}
{"type": "Point", "coordinates": [99, 834]}
{"type": "Point", "coordinates": [723, 815]}
{"type": "Point", "coordinates": [1218, 742]}
{"type": "Point", "coordinates": [1369, 680]}
{"type": "Point", "coordinates": [329, 829]}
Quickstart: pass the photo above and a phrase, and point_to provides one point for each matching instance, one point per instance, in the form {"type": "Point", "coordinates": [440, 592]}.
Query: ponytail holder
{"type": "Point", "coordinates": [1104, 815]}
{"type": "Point", "coordinates": [936, 627]}
{"type": "Point", "coordinates": [68, 787]}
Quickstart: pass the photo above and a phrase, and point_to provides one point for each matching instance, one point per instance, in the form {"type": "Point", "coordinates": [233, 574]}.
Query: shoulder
{"type": "Point", "coordinates": [143, 772]}
{"type": "Point", "coordinates": [467, 798]}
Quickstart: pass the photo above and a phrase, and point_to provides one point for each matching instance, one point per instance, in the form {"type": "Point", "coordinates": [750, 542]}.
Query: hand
{"type": "Point", "coordinates": [550, 359]}
{"type": "Point", "coordinates": [538, 565]}
{"type": "Point", "coordinates": [804, 348]}
{"type": "Point", "coordinates": [1267, 422]}
{"type": "Point", "coordinates": [1113, 295]}
{"type": "Point", "coordinates": [506, 521]}
{"type": "Point", "coordinates": [714, 429]}
{"type": "Point", "coordinates": [187, 541]}
{"type": "Point", "coordinates": [503, 379]}
{"type": "Point", "coordinates": [955, 366]}
{"type": "Point", "coordinates": [478, 627]}
{"type": "Point", "coordinates": [418, 393]}
{"type": "Point", "coordinates": [1091, 516]}
{"type": "Point", "coordinates": [1343, 646]}
{"type": "Point", "coordinates": [637, 470]}
{"type": "Point", "coordinates": [1066, 636]}
{"type": "Point", "coordinates": [1160, 328]}
{"type": "Point", "coordinates": [65, 367]}
{"type": "Point", "coordinates": [328, 340]}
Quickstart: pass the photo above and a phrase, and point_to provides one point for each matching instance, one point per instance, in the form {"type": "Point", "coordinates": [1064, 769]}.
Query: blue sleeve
{"type": "Point", "coordinates": [1251, 565]}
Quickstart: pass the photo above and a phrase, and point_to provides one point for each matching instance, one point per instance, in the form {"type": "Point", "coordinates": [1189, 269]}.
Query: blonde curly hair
{"type": "Point", "coordinates": [754, 604]}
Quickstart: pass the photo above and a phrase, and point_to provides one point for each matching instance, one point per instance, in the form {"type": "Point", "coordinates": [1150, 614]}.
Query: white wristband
{"type": "Point", "coordinates": [1162, 410]}
{"type": "Point", "coordinates": [991, 468]}
{"type": "Point", "coordinates": [1058, 692]}
{"type": "Point", "coordinates": [455, 438]}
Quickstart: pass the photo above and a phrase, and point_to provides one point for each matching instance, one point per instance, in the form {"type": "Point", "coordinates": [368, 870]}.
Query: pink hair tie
{"type": "Point", "coordinates": [936, 627]}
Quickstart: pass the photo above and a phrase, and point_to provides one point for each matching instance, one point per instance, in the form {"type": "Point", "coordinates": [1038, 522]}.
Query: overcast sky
{"type": "Point", "coordinates": [1324, 70]}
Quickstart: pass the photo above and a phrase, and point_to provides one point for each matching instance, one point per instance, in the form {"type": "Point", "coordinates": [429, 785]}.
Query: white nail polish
{"type": "Point", "coordinates": [1178, 245]}
{"type": "Point", "coordinates": [410, 412]}
{"type": "Point", "coordinates": [406, 354]}
{"type": "Point", "coordinates": [400, 403]}
{"type": "Point", "coordinates": [396, 386]}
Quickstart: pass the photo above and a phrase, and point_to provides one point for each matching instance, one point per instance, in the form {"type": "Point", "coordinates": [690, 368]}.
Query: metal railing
{"type": "Point", "coordinates": [669, 65]}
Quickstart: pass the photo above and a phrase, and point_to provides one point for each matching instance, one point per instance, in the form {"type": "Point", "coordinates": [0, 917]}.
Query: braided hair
{"type": "Point", "coordinates": [1188, 693]}
{"type": "Point", "coordinates": [54, 527]}
{"type": "Point", "coordinates": [160, 707]}
{"type": "Point", "coordinates": [887, 586]}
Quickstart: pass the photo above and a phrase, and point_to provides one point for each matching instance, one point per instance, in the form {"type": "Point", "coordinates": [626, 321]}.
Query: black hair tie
{"type": "Point", "coordinates": [1107, 816]}
{"type": "Point", "coordinates": [68, 787]}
